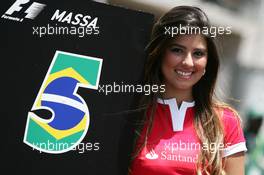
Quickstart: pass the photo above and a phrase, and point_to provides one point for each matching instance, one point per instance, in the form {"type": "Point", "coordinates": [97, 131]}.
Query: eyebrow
{"type": "Point", "coordinates": [178, 45]}
{"type": "Point", "coordinates": [183, 47]}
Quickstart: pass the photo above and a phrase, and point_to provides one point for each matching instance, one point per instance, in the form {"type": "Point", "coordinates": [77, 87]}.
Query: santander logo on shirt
{"type": "Point", "coordinates": [174, 151]}
{"type": "Point", "coordinates": [152, 155]}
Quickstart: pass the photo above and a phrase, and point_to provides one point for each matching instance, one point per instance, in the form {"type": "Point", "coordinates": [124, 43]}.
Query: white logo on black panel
{"type": "Point", "coordinates": [30, 13]}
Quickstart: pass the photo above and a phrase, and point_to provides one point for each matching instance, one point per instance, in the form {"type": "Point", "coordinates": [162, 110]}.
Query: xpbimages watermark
{"type": "Point", "coordinates": [80, 148]}
{"type": "Point", "coordinates": [130, 88]}
{"type": "Point", "coordinates": [79, 31]}
{"type": "Point", "coordinates": [212, 31]}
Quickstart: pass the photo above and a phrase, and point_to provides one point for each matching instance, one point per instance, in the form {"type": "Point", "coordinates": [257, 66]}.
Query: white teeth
{"type": "Point", "coordinates": [184, 73]}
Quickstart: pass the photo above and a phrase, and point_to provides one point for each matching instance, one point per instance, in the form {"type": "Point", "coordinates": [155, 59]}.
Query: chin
{"type": "Point", "coordinates": [183, 86]}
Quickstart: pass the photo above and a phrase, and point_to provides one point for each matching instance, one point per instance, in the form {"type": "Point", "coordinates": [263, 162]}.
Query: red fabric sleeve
{"type": "Point", "coordinates": [234, 137]}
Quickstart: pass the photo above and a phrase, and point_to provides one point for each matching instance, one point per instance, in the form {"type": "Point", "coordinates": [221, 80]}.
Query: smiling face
{"type": "Point", "coordinates": [184, 62]}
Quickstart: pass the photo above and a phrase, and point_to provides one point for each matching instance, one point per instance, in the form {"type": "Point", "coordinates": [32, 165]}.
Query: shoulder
{"type": "Point", "coordinates": [230, 119]}
{"type": "Point", "coordinates": [228, 116]}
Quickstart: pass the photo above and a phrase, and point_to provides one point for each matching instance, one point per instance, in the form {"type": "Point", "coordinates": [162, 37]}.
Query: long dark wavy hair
{"type": "Point", "coordinates": [207, 121]}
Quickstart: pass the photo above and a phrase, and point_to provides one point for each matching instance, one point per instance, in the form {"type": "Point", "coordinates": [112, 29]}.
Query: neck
{"type": "Point", "coordinates": [179, 94]}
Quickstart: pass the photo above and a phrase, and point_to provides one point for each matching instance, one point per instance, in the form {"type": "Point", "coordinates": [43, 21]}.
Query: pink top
{"type": "Point", "coordinates": [173, 144]}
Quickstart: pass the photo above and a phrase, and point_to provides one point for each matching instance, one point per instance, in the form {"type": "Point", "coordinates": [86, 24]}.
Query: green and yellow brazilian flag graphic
{"type": "Point", "coordinates": [69, 122]}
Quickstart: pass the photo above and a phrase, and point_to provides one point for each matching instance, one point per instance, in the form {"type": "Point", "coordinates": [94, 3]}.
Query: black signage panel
{"type": "Point", "coordinates": [66, 66]}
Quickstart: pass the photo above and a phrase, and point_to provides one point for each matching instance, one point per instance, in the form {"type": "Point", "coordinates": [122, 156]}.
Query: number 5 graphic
{"type": "Point", "coordinates": [69, 120]}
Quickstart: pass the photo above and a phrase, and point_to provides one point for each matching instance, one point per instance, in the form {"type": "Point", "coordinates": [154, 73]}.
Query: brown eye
{"type": "Point", "coordinates": [198, 54]}
{"type": "Point", "coordinates": [177, 50]}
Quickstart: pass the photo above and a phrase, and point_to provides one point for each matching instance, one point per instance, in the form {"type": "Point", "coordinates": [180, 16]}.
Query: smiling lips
{"type": "Point", "coordinates": [184, 74]}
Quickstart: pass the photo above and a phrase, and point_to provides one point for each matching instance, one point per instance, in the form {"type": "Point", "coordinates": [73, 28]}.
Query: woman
{"type": "Point", "coordinates": [185, 130]}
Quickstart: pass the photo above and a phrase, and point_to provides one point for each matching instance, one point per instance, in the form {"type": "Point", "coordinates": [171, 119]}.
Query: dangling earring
{"type": "Point", "coordinates": [204, 72]}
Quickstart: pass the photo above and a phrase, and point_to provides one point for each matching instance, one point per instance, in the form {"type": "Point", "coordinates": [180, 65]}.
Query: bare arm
{"type": "Point", "coordinates": [235, 164]}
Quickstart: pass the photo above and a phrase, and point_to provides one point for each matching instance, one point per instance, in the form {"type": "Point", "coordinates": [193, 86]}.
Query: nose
{"type": "Point", "coordinates": [188, 61]}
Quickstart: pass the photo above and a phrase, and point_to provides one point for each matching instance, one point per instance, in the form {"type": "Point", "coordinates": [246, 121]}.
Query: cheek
{"type": "Point", "coordinates": [167, 65]}
{"type": "Point", "coordinates": [164, 69]}
{"type": "Point", "coordinates": [201, 64]}
{"type": "Point", "coordinates": [170, 60]}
